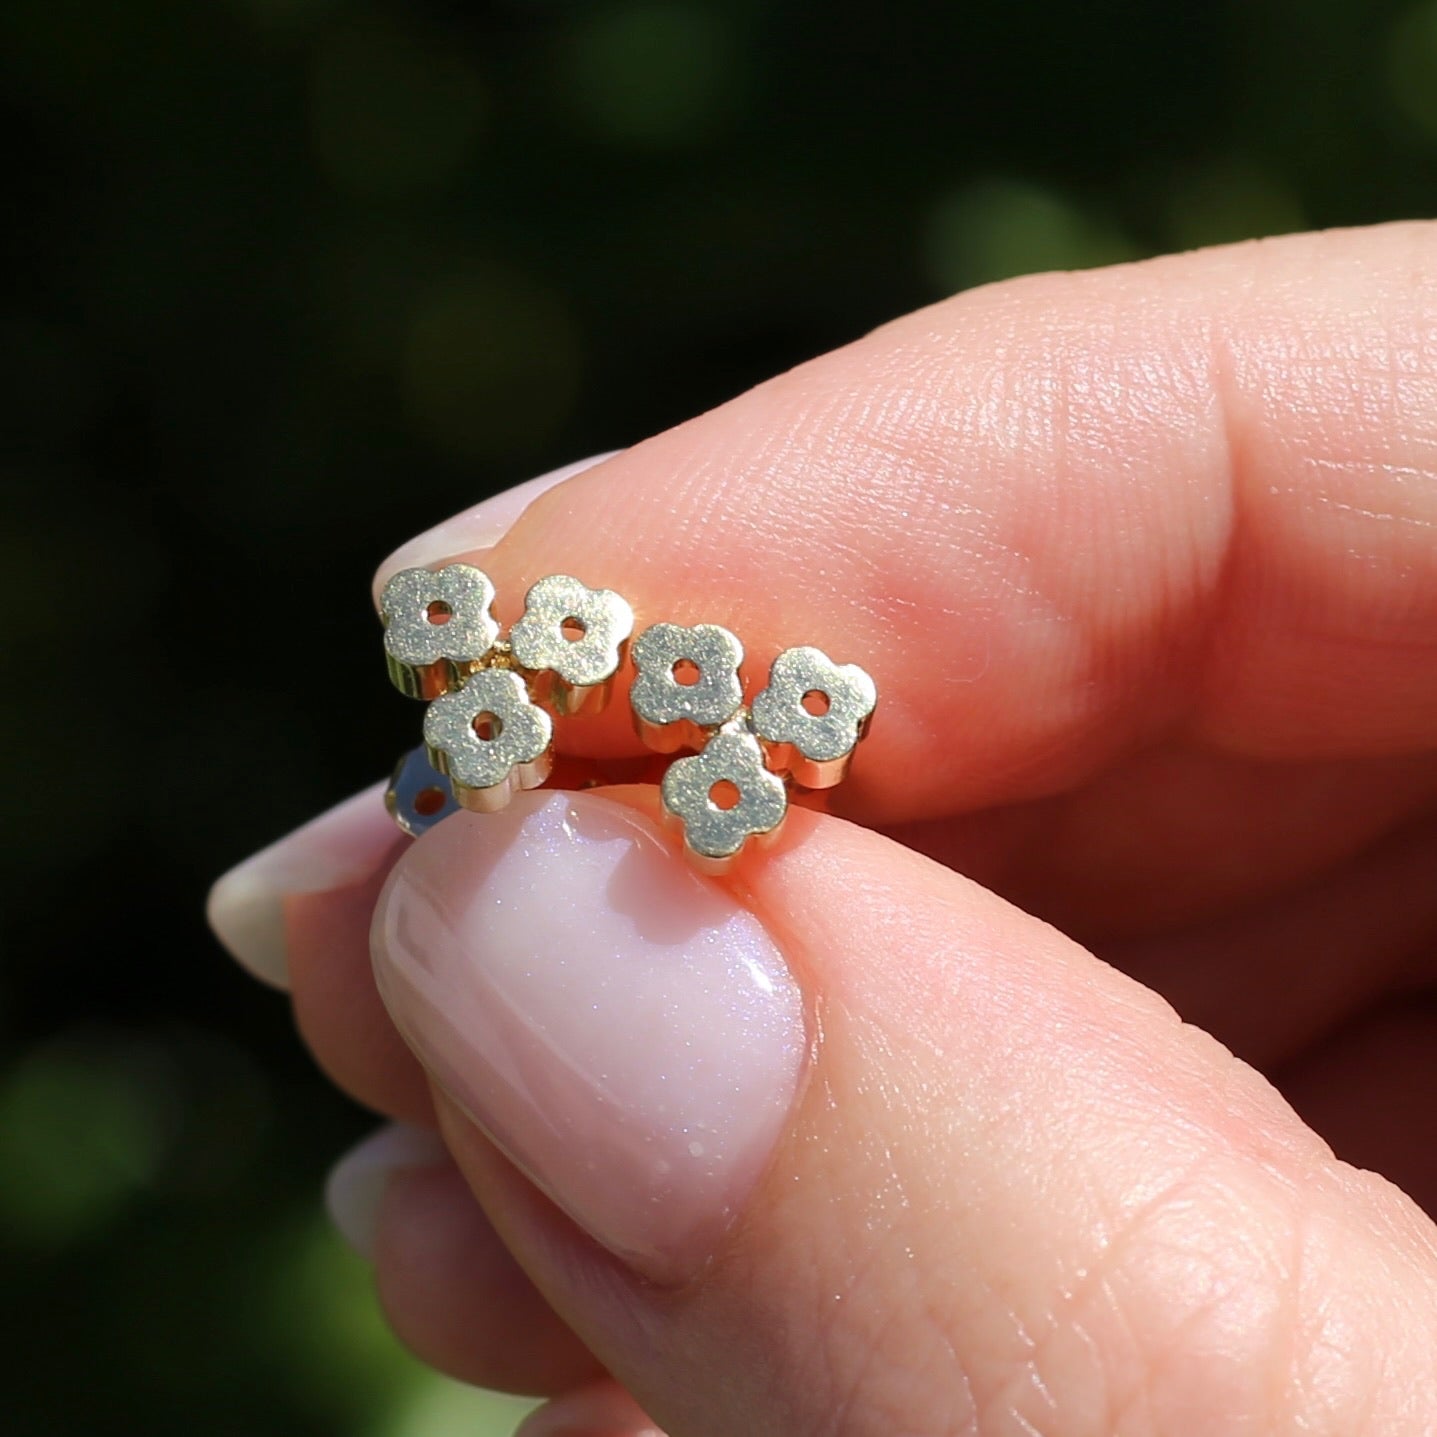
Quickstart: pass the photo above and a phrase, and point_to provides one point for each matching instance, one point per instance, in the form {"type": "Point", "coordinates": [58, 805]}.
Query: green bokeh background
{"type": "Point", "coordinates": [286, 281]}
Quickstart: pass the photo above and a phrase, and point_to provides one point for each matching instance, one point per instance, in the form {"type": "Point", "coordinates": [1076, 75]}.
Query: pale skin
{"type": "Point", "coordinates": [1144, 562]}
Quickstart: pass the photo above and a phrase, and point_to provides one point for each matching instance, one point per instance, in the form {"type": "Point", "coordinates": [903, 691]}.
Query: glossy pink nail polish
{"type": "Point", "coordinates": [623, 1028]}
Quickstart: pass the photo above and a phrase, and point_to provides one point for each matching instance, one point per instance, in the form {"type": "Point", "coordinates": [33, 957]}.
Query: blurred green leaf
{"type": "Point", "coordinates": [1412, 65]}
{"type": "Point", "coordinates": [81, 1136]}
{"type": "Point", "coordinates": [1230, 200]}
{"type": "Point", "coordinates": [999, 228]}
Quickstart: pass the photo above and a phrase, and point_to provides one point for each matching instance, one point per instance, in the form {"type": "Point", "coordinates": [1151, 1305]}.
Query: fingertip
{"type": "Point", "coordinates": [988, 1115]}
{"type": "Point", "coordinates": [336, 1003]}
{"type": "Point", "coordinates": [603, 1410]}
{"type": "Point", "coordinates": [245, 908]}
{"type": "Point", "coordinates": [244, 911]}
{"type": "Point", "coordinates": [354, 1189]}
{"type": "Point", "coordinates": [455, 1296]}
{"type": "Point", "coordinates": [625, 1029]}
{"type": "Point", "coordinates": [477, 528]}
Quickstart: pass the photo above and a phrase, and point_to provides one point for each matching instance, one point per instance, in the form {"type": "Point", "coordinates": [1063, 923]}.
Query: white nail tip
{"type": "Point", "coordinates": [246, 914]}
{"type": "Point", "coordinates": [480, 527]}
{"type": "Point", "coordinates": [355, 1186]}
{"type": "Point", "coordinates": [344, 846]}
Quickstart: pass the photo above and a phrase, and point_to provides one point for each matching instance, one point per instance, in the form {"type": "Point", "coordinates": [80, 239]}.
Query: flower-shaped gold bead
{"type": "Point", "coordinates": [812, 715]}
{"type": "Point", "coordinates": [724, 796]}
{"type": "Point", "coordinates": [490, 739]}
{"type": "Point", "coordinates": [574, 639]}
{"type": "Point", "coordinates": [437, 627]}
{"type": "Point", "coordinates": [686, 684]}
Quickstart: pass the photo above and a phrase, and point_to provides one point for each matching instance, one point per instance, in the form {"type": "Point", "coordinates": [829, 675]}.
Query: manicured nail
{"type": "Point", "coordinates": [339, 848]}
{"type": "Point", "coordinates": [478, 528]}
{"type": "Point", "coordinates": [620, 1026]}
{"type": "Point", "coordinates": [346, 845]}
{"type": "Point", "coordinates": [356, 1183]}
{"type": "Point", "coordinates": [603, 1410]}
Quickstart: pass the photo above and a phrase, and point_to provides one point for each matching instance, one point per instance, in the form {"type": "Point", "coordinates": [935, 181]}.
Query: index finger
{"type": "Point", "coordinates": [1062, 515]}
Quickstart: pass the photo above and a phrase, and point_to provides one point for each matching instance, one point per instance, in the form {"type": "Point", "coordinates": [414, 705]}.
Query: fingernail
{"type": "Point", "coordinates": [356, 1183]}
{"type": "Point", "coordinates": [339, 848]}
{"type": "Point", "coordinates": [604, 1410]}
{"type": "Point", "coordinates": [619, 1025]}
{"type": "Point", "coordinates": [246, 907]}
{"type": "Point", "coordinates": [478, 528]}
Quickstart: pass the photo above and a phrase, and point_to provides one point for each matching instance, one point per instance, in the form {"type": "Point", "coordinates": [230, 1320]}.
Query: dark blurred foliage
{"type": "Point", "coordinates": [286, 281]}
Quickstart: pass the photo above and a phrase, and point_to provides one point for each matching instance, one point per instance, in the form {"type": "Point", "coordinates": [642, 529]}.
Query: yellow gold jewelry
{"type": "Point", "coordinates": [437, 627]}
{"type": "Point", "coordinates": [574, 639]}
{"type": "Point", "coordinates": [490, 738]}
{"type": "Point", "coordinates": [723, 796]}
{"type": "Point", "coordinates": [686, 684]}
{"type": "Point", "coordinates": [812, 715]}
{"type": "Point", "coordinates": [489, 731]}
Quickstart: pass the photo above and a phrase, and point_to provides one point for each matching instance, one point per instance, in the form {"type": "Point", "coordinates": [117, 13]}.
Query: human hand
{"type": "Point", "coordinates": [1144, 562]}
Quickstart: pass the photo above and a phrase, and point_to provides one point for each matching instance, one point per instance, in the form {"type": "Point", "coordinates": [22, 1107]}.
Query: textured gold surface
{"type": "Point", "coordinates": [574, 640]}
{"type": "Point", "coordinates": [692, 790]}
{"type": "Point", "coordinates": [437, 627]}
{"type": "Point", "coordinates": [487, 769]}
{"type": "Point", "coordinates": [815, 748]}
{"type": "Point", "coordinates": [488, 731]}
{"type": "Point", "coordinates": [670, 714]}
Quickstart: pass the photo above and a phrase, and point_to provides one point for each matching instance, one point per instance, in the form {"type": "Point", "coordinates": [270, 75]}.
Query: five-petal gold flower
{"type": "Point", "coordinates": [488, 731]}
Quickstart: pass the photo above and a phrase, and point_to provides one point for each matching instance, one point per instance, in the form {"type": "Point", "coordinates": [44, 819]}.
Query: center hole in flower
{"type": "Point", "coordinates": [428, 801]}
{"type": "Point", "coordinates": [724, 794]}
{"type": "Point", "coordinates": [573, 629]}
{"type": "Point", "coordinates": [487, 726]}
{"type": "Point", "coordinates": [686, 672]}
{"type": "Point", "coordinates": [438, 612]}
{"type": "Point", "coordinates": [816, 702]}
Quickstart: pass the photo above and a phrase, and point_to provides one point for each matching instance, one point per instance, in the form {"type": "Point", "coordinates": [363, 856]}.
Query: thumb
{"type": "Point", "coordinates": [848, 1144]}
